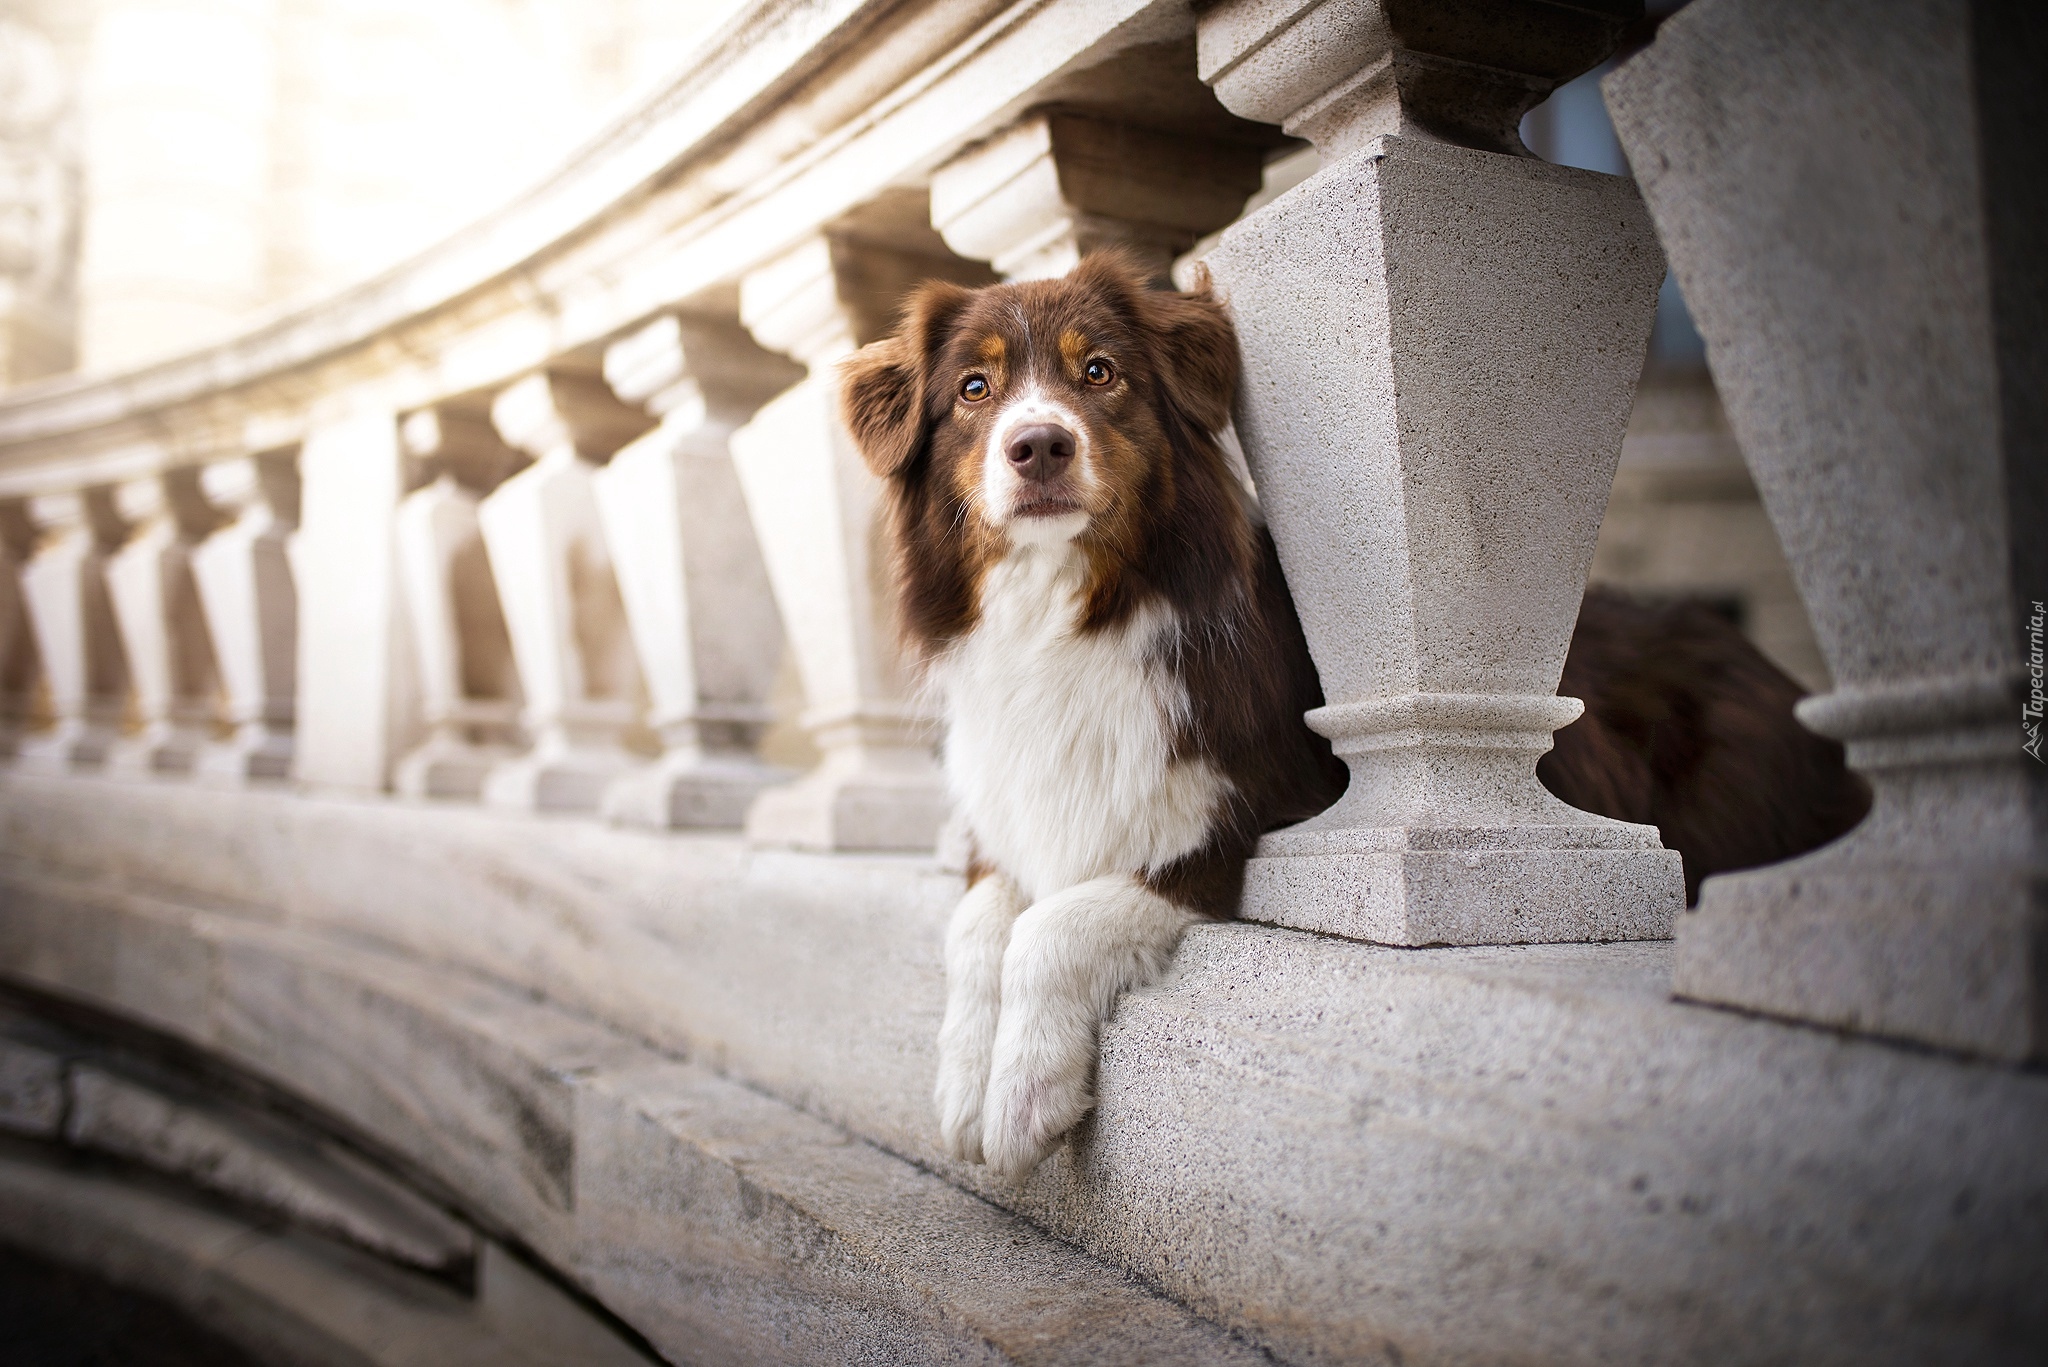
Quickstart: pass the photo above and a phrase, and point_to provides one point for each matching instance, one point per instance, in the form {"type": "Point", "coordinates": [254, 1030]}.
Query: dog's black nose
{"type": "Point", "coordinates": [1040, 451]}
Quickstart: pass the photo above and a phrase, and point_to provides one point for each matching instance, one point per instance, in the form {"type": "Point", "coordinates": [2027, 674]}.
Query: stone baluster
{"type": "Point", "coordinates": [468, 689]}
{"type": "Point", "coordinates": [354, 716]}
{"type": "Point", "coordinates": [163, 628]}
{"type": "Point", "coordinates": [1442, 337]}
{"type": "Point", "coordinates": [64, 585]}
{"type": "Point", "coordinates": [17, 637]}
{"type": "Point", "coordinates": [245, 586]}
{"type": "Point", "coordinates": [813, 505]}
{"type": "Point", "coordinates": [697, 598]}
{"type": "Point", "coordinates": [561, 600]}
{"type": "Point", "coordinates": [1037, 197]}
{"type": "Point", "coordinates": [1853, 209]}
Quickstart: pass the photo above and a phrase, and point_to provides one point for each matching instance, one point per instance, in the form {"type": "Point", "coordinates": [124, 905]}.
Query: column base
{"type": "Point", "coordinates": [72, 745]}
{"type": "Point", "coordinates": [1449, 885]}
{"type": "Point", "coordinates": [861, 810]}
{"type": "Point", "coordinates": [448, 768]}
{"type": "Point", "coordinates": [256, 755]}
{"type": "Point", "coordinates": [158, 750]}
{"type": "Point", "coordinates": [1953, 955]}
{"type": "Point", "coordinates": [691, 790]}
{"type": "Point", "coordinates": [557, 779]}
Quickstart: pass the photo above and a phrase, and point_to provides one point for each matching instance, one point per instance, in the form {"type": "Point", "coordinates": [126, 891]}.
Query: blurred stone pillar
{"type": "Point", "coordinates": [468, 688]}
{"type": "Point", "coordinates": [163, 627]}
{"type": "Point", "coordinates": [65, 588]}
{"type": "Point", "coordinates": [697, 598]}
{"type": "Point", "coordinates": [1037, 197]}
{"type": "Point", "coordinates": [354, 712]}
{"type": "Point", "coordinates": [252, 611]}
{"type": "Point", "coordinates": [1442, 337]}
{"type": "Point", "coordinates": [1853, 201]}
{"type": "Point", "coordinates": [18, 668]}
{"type": "Point", "coordinates": [814, 505]}
{"type": "Point", "coordinates": [555, 581]}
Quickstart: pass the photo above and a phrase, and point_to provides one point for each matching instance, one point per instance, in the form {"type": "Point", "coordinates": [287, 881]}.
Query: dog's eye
{"type": "Point", "coordinates": [1099, 372]}
{"type": "Point", "coordinates": [974, 389]}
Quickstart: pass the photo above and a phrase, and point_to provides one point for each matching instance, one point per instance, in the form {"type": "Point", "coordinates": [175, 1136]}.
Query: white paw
{"type": "Point", "coordinates": [1030, 1108]}
{"type": "Point", "coordinates": [963, 1079]}
{"type": "Point", "coordinates": [975, 940]}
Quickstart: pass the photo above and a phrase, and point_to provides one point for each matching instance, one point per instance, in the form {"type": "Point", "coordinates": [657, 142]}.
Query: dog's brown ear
{"type": "Point", "coordinates": [882, 386]}
{"type": "Point", "coordinates": [1196, 350]}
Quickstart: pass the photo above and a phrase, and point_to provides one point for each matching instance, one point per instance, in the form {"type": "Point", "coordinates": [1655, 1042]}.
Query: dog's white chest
{"type": "Point", "coordinates": [1058, 744]}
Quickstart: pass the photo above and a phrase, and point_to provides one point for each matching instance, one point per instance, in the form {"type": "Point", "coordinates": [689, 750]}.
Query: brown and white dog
{"type": "Point", "coordinates": [1089, 591]}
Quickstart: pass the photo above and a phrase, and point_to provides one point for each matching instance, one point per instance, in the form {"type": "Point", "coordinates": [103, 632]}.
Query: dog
{"type": "Point", "coordinates": [1085, 584]}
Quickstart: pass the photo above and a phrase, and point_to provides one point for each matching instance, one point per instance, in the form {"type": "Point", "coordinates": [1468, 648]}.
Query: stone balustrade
{"type": "Point", "coordinates": [560, 517]}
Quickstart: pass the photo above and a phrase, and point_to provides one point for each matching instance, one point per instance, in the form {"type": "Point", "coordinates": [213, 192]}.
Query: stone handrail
{"type": "Point", "coordinates": [559, 516]}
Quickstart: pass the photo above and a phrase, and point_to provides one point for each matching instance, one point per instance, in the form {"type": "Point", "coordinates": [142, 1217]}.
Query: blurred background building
{"type": "Point", "coordinates": [176, 169]}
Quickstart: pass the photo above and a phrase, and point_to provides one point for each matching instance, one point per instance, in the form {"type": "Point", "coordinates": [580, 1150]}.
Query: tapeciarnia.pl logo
{"type": "Point", "coordinates": [2030, 711]}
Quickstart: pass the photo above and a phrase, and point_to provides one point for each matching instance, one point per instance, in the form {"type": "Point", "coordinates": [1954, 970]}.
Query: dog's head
{"type": "Point", "coordinates": [1080, 410]}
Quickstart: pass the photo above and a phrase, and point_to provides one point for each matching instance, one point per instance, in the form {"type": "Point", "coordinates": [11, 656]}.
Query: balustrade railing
{"type": "Point", "coordinates": [545, 538]}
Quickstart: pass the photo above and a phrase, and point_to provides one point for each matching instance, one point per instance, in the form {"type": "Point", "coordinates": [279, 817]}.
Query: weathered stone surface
{"type": "Point", "coordinates": [259, 1163]}
{"type": "Point", "coordinates": [1856, 217]}
{"type": "Point", "coordinates": [31, 1088]}
{"type": "Point", "coordinates": [1521, 1153]}
{"type": "Point", "coordinates": [290, 1297]}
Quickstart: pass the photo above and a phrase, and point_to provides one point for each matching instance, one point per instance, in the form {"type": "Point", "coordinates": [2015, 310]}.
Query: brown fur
{"type": "Point", "coordinates": [1690, 729]}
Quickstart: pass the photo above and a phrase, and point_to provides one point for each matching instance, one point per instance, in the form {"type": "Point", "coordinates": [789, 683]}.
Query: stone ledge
{"type": "Point", "coordinates": [1518, 1153]}
{"type": "Point", "coordinates": [723, 1225]}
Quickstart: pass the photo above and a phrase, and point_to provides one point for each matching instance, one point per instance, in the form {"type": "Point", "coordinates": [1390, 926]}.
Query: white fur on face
{"type": "Point", "coordinates": [1002, 489]}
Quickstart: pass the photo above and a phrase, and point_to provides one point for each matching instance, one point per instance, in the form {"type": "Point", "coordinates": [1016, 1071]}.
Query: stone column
{"type": "Point", "coordinates": [697, 598]}
{"type": "Point", "coordinates": [1441, 337]}
{"type": "Point", "coordinates": [561, 600]}
{"type": "Point", "coordinates": [1037, 197]}
{"type": "Point", "coordinates": [813, 505]}
{"type": "Point", "coordinates": [64, 585]}
{"type": "Point", "coordinates": [468, 689]}
{"type": "Point", "coordinates": [163, 628]}
{"type": "Point", "coordinates": [354, 713]}
{"type": "Point", "coordinates": [17, 638]}
{"type": "Point", "coordinates": [1853, 207]}
{"type": "Point", "coordinates": [252, 611]}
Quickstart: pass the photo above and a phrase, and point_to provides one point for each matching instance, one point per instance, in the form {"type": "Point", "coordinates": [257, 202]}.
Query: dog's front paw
{"type": "Point", "coordinates": [963, 1080]}
{"type": "Point", "coordinates": [1030, 1107]}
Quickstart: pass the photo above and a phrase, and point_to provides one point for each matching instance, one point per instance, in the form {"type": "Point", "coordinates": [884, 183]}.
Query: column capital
{"type": "Point", "coordinates": [49, 513]}
{"type": "Point", "coordinates": [680, 363]}
{"type": "Point", "coordinates": [839, 289]}
{"type": "Point", "coordinates": [233, 487]}
{"type": "Point", "coordinates": [460, 443]}
{"type": "Point", "coordinates": [1038, 196]}
{"type": "Point", "coordinates": [1344, 72]}
{"type": "Point", "coordinates": [174, 494]}
{"type": "Point", "coordinates": [559, 412]}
